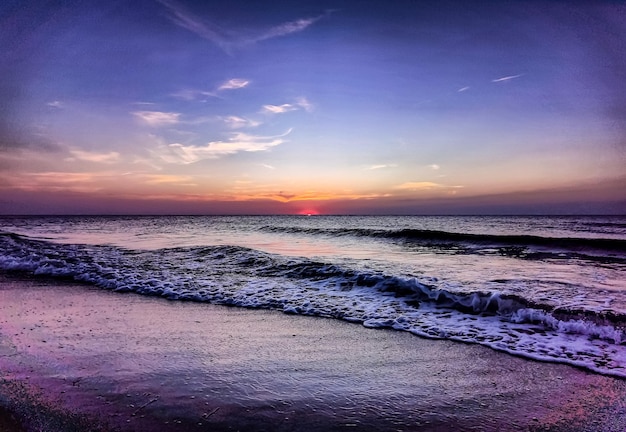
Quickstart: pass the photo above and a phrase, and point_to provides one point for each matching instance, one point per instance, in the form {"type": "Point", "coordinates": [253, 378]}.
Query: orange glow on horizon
{"type": "Point", "coordinates": [308, 212]}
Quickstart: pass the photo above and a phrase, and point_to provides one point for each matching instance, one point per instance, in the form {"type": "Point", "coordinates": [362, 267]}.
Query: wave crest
{"type": "Point", "coordinates": [239, 276]}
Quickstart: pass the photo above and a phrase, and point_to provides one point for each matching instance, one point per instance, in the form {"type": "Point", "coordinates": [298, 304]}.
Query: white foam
{"type": "Point", "coordinates": [298, 286]}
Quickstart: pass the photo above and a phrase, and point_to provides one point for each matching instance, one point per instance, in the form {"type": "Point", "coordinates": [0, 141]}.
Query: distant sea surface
{"type": "Point", "coordinates": [545, 288]}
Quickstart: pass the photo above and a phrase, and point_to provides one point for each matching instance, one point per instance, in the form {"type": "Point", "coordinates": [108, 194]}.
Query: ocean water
{"type": "Point", "coordinates": [546, 288]}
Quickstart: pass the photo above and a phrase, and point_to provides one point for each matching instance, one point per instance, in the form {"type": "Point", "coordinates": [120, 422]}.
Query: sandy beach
{"type": "Point", "coordinates": [74, 357]}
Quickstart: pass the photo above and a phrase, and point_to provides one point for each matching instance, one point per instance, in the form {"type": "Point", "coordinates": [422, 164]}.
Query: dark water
{"type": "Point", "coordinates": [547, 288]}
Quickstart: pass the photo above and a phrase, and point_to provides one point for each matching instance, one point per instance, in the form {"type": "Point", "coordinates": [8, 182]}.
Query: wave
{"type": "Point", "coordinates": [610, 224]}
{"type": "Point", "coordinates": [522, 246]}
{"type": "Point", "coordinates": [238, 276]}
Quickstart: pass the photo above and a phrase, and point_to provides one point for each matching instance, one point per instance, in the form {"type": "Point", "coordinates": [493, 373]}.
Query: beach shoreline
{"type": "Point", "coordinates": [79, 355]}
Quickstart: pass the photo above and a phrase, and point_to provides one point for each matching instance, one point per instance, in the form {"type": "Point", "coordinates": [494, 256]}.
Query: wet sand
{"type": "Point", "coordinates": [75, 357]}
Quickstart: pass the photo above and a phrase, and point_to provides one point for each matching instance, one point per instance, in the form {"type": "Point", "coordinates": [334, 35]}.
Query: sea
{"type": "Point", "coordinates": [546, 288]}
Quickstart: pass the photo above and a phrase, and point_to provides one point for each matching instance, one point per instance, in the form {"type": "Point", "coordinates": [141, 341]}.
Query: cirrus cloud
{"type": "Point", "coordinates": [301, 103]}
{"type": "Point", "coordinates": [381, 166]}
{"type": "Point", "coordinates": [278, 109]}
{"type": "Point", "coordinates": [228, 39]}
{"type": "Point", "coordinates": [238, 142]}
{"type": "Point", "coordinates": [236, 122]}
{"type": "Point", "coordinates": [157, 118]}
{"type": "Point", "coordinates": [188, 94]}
{"type": "Point", "coordinates": [234, 84]}
{"type": "Point", "coordinates": [426, 186]}
{"type": "Point", "coordinates": [506, 78]}
{"type": "Point", "coordinates": [415, 186]}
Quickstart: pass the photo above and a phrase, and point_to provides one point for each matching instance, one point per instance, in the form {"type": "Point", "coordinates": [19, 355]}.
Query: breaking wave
{"type": "Point", "coordinates": [238, 276]}
{"type": "Point", "coordinates": [521, 246]}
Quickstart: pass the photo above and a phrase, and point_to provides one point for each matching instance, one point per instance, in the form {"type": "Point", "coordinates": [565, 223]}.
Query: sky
{"type": "Point", "coordinates": [312, 107]}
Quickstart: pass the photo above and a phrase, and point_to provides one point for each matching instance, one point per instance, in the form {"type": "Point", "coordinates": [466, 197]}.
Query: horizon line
{"type": "Point", "coordinates": [312, 214]}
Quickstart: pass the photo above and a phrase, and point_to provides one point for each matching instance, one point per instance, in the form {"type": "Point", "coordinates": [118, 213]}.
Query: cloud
{"type": "Point", "coordinates": [63, 177]}
{"type": "Point", "coordinates": [239, 142]}
{"type": "Point", "coordinates": [233, 84]}
{"type": "Point", "coordinates": [168, 179]}
{"type": "Point", "coordinates": [157, 118]}
{"type": "Point", "coordinates": [424, 186]}
{"type": "Point", "coordinates": [285, 29]}
{"type": "Point", "coordinates": [192, 94]}
{"type": "Point", "coordinates": [278, 109]}
{"type": "Point", "coordinates": [94, 157]}
{"type": "Point", "coordinates": [54, 181]}
{"type": "Point", "coordinates": [235, 122]}
{"type": "Point", "coordinates": [381, 166]}
{"type": "Point", "coordinates": [231, 38]}
{"type": "Point", "coordinates": [462, 89]}
{"type": "Point", "coordinates": [434, 167]}
{"type": "Point", "coordinates": [270, 167]}
{"type": "Point", "coordinates": [55, 104]}
{"type": "Point", "coordinates": [185, 19]}
{"type": "Point", "coordinates": [246, 191]}
{"type": "Point", "coordinates": [323, 196]}
{"type": "Point", "coordinates": [415, 186]}
{"type": "Point", "coordinates": [301, 103]}
{"type": "Point", "coordinates": [506, 78]}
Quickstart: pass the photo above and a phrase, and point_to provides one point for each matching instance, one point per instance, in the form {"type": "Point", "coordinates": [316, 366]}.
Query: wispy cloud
{"type": "Point", "coordinates": [462, 89]}
{"type": "Point", "coordinates": [157, 118]}
{"type": "Point", "coordinates": [55, 104]}
{"type": "Point", "coordinates": [381, 166]}
{"type": "Point", "coordinates": [323, 196]}
{"type": "Point", "coordinates": [506, 78]}
{"type": "Point", "coordinates": [158, 179]}
{"type": "Point", "coordinates": [233, 84]}
{"type": "Point", "coordinates": [110, 157]}
{"type": "Point", "coordinates": [232, 38]}
{"type": "Point", "coordinates": [53, 181]}
{"type": "Point", "coordinates": [239, 142]}
{"type": "Point", "coordinates": [245, 190]}
{"type": "Point", "coordinates": [193, 94]}
{"type": "Point", "coordinates": [418, 186]}
{"type": "Point", "coordinates": [209, 31]}
{"type": "Point", "coordinates": [278, 109]}
{"type": "Point", "coordinates": [301, 103]}
{"type": "Point", "coordinates": [285, 29]}
{"type": "Point", "coordinates": [63, 177]}
{"type": "Point", "coordinates": [424, 186]}
{"type": "Point", "coordinates": [434, 167]}
{"type": "Point", "coordinates": [235, 122]}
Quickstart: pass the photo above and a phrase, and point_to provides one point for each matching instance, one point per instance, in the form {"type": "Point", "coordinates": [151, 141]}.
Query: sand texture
{"type": "Point", "coordinates": [74, 357]}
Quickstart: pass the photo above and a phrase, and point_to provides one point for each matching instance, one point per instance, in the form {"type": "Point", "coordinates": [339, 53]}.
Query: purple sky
{"type": "Point", "coordinates": [368, 107]}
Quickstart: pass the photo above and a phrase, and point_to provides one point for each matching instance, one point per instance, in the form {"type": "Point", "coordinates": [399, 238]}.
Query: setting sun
{"type": "Point", "coordinates": [308, 212]}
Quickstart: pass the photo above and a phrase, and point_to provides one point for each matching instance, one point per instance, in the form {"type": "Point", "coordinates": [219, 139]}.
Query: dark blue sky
{"type": "Point", "coordinates": [320, 106]}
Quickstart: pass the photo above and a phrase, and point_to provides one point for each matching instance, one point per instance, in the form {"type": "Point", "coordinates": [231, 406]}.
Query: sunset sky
{"type": "Point", "coordinates": [326, 106]}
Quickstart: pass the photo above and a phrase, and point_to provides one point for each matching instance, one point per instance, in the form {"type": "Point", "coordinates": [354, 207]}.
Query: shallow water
{"type": "Point", "coordinates": [550, 288]}
{"type": "Point", "coordinates": [142, 363]}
